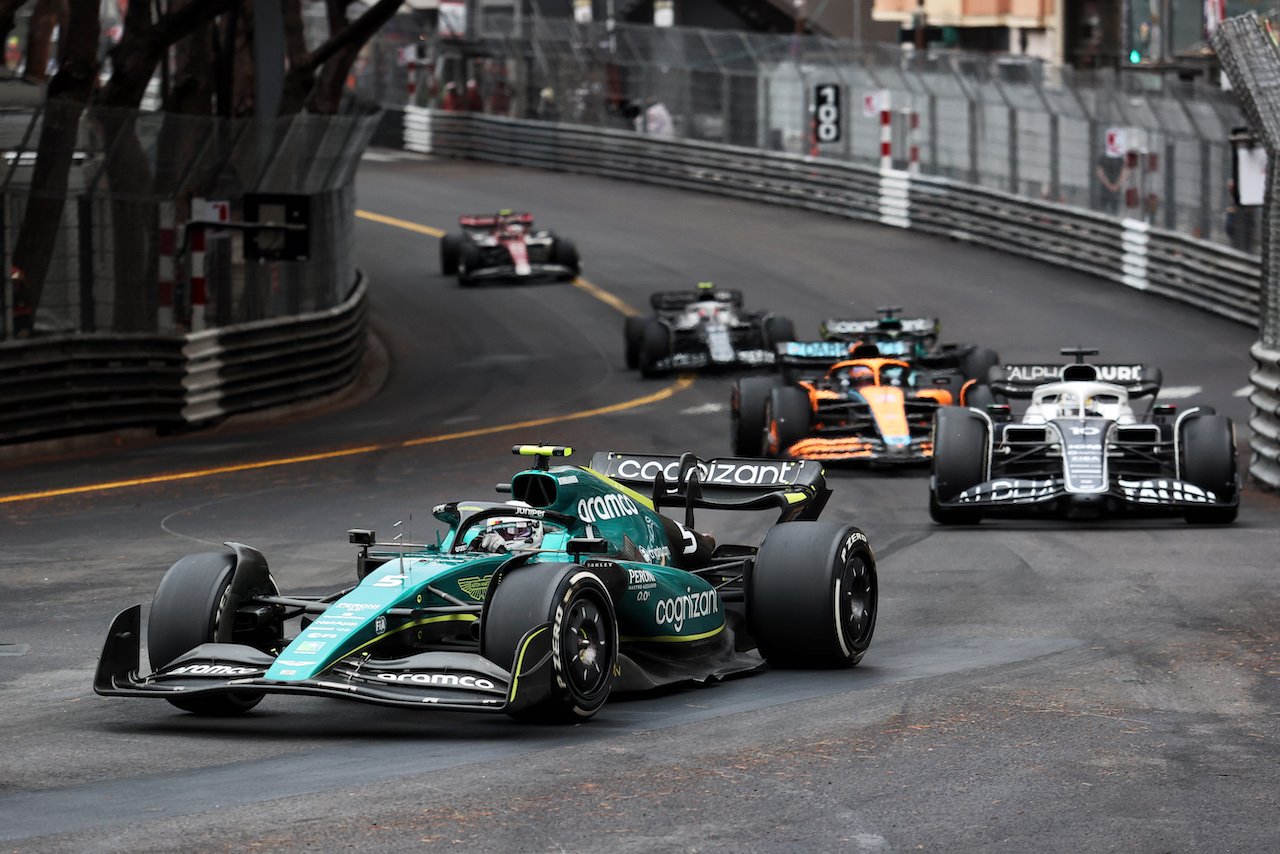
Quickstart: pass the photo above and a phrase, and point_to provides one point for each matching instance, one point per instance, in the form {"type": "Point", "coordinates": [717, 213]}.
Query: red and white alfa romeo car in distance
{"type": "Point", "coordinates": [506, 246]}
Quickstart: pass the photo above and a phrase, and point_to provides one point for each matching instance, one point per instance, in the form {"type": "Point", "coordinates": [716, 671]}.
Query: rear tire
{"type": "Point", "coordinates": [750, 394]}
{"type": "Point", "coordinates": [654, 347]}
{"type": "Point", "coordinates": [184, 614]}
{"type": "Point", "coordinates": [778, 329]}
{"type": "Point", "coordinates": [978, 362]}
{"type": "Point", "coordinates": [787, 419]}
{"type": "Point", "coordinates": [584, 635]}
{"type": "Point", "coordinates": [959, 462]}
{"type": "Point", "coordinates": [1209, 461]}
{"type": "Point", "coordinates": [449, 254]}
{"type": "Point", "coordinates": [813, 595]}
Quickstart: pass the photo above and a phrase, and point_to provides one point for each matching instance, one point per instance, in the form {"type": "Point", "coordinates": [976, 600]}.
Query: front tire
{"type": "Point", "coordinates": [813, 595]}
{"type": "Point", "coordinates": [563, 251]}
{"type": "Point", "coordinates": [468, 261]}
{"type": "Point", "coordinates": [633, 337]}
{"type": "Point", "coordinates": [449, 247]}
{"type": "Point", "coordinates": [1209, 461]}
{"type": "Point", "coordinates": [746, 415]}
{"type": "Point", "coordinates": [787, 419]}
{"type": "Point", "coordinates": [584, 635]}
{"type": "Point", "coordinates": [959, 462]}
{"type": "Point", "coordinates": [184, 614]}
{"type": "Point", "coordinates": [654, 347]}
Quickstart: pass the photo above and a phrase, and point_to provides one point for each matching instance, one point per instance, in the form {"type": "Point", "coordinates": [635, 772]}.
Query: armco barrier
{"type": "Point", "coordinates": [1206, 275]}
{"type": "Point", "coordinates": [270, 363]}
{"type": "Point", "coordinates": [67, 385]}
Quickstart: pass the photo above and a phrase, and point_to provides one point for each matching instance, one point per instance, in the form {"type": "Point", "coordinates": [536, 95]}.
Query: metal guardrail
{"type": "Point", "coordinates": [76, 384]}
{"type": "Point", "coordinates": [63, 385]}
{"type": "Point", "coordinates": [270, 363]}
{"type": "Point", "coordinates": [1207, 275]}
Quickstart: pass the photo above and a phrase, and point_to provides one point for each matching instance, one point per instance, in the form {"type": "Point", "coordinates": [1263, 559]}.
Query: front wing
{"type": "Point", "coordinates": [460, 681]}
{"type": "Point", "coordinates": [509, 271]}
{"type": "Point", "coordinates": [1153, 494]}
{"type": "Point", "coordinates": [692, 360]}
{"type": "Point", "coordinates": [855, 448]}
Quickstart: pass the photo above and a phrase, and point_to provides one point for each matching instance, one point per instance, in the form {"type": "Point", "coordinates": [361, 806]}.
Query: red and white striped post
{"type": "Point", "coordinates": [168, 246]}
{"type": "Point", "coordinates": [198, 290]}
{"type": "Point", "coordinates": [413, 81]}
{"type": "Point", "coordinates": [913, 146]}
{"type": "Point", "coordinates": [886, 131]}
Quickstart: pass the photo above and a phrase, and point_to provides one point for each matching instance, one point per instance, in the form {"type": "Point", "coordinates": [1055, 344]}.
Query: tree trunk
{"type": "Point", "coordinates": [301, 78]}
{"type": "Point", "coordinates": [67, 95]}
{"type": "Point", "coordinates": [45, 15]}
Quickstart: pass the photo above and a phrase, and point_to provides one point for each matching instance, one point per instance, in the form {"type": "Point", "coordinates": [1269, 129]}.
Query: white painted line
{"type": "Point", "coordinates": [1243, 392]}
{"type": "Point", "coordinates": [705, 409]}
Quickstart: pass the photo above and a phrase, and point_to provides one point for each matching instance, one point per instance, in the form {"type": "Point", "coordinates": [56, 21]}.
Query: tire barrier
{"type": "Point", "coordinates": [54, 387]}
{"type": "Point", "coordinates": [1265, 423]}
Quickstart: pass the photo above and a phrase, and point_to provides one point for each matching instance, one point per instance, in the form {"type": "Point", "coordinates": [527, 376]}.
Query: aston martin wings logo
{"type": "Point", "coordinates": [475, 586]}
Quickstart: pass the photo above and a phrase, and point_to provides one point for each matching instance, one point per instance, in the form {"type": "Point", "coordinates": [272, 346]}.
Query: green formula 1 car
{"type": "Point", "coordinates": [540, 606]}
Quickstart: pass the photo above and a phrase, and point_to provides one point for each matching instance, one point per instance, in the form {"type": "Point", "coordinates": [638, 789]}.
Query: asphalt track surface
{"type": "Point", "coordinates": [1046, 686]}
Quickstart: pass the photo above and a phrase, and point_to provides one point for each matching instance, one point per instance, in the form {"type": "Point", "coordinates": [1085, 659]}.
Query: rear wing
{"type": "Point", "coordinates": [796, 488]}
{"type": "Point", "coordinates": [490, 220]}
{"type": "Point", "coordinates": [1021, 381]}
{"type": "Point", "coordinates": [852, 328]}
{"type": "Point", "coordinates": [678, 300]}
{"type": "Point", "coordinates": [812, 355]}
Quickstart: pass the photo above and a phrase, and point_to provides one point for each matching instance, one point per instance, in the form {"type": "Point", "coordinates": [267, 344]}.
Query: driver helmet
{"type": "Point", "coordinates": [859, 376]}
{"type": "Point", "coordinates": [509, 533]}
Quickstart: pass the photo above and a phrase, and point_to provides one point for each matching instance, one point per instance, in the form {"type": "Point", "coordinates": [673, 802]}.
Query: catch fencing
{"type": "Point", "coordinates": [1247, 47]}
{"type": "Point", "coordinates": [149, 313]}
{"type": "Point", "coordinates": [1012, 124]}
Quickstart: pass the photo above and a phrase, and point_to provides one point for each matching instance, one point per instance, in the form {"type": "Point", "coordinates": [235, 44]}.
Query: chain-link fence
{"type": "Point", "coordinates": [1139, 145]}
{"type": "Point", "coordinates": [137, 238]}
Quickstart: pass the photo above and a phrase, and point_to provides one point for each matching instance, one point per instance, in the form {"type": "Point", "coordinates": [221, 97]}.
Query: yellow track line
{"type": "Point", "coordinates": [680, 385]}
{"type": "Point", "coordinates": [400, 223]}
{"type": "Point", "coordinates": [579, 283]}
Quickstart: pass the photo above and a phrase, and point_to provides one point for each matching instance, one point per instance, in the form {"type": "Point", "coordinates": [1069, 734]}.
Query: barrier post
{"type": "Point", "coordinates": [198, 293]}
{"type": "Point", "coordinates": [886, 131]}
{"type": "Point", "coordinates": [168, 245]}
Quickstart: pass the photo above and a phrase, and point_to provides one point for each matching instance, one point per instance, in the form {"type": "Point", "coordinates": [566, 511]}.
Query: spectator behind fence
{"type": "Point", "coordinates": [655, 119]}
{"type": "Point", "coordinates": [499, 99]}
{"type": "Point", "coordinates": [1111, 173]}
{"type": "Point", "coordinates": [475, 102]}
{"type": "Point", "coordinates": [451, 101]}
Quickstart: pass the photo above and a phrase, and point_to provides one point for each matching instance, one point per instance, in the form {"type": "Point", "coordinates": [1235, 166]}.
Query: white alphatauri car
{"type": "Point", "coordinates": [1079, 449]}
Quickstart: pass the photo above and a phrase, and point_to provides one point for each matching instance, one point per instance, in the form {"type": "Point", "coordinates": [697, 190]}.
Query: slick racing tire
{"type": "Point", "coordinates": [563, 251]}
{"type": "Point", "coordinates": [979, 396]}
{"type": "Point", "coordinates": [812, 595]}
{"type": "Point", "coordinates": [746, 414]}
{"type": "Point", "coordinates": [778, 329]}
{"type": "Point", "coordinates": [1208, 460]}
{"type": "Point", "coordinates": [633, 337]}
{"type": "Point", "coordinates": [468, 262]}
{"type": "Point", "coordinates": [959, 462]}
{"type": "Point", "coordinates": [978, 362]}
{"type": "Point", "coordinates": [654, 347]}
{"type": "Point", "coordinates": [184, 614]}
{"type": "Point", "coordinates": [584, 635]}
{"type": "Point", "coordinates": [449, 245]}
{"type": "Point", "coordinates": [787, 419]}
